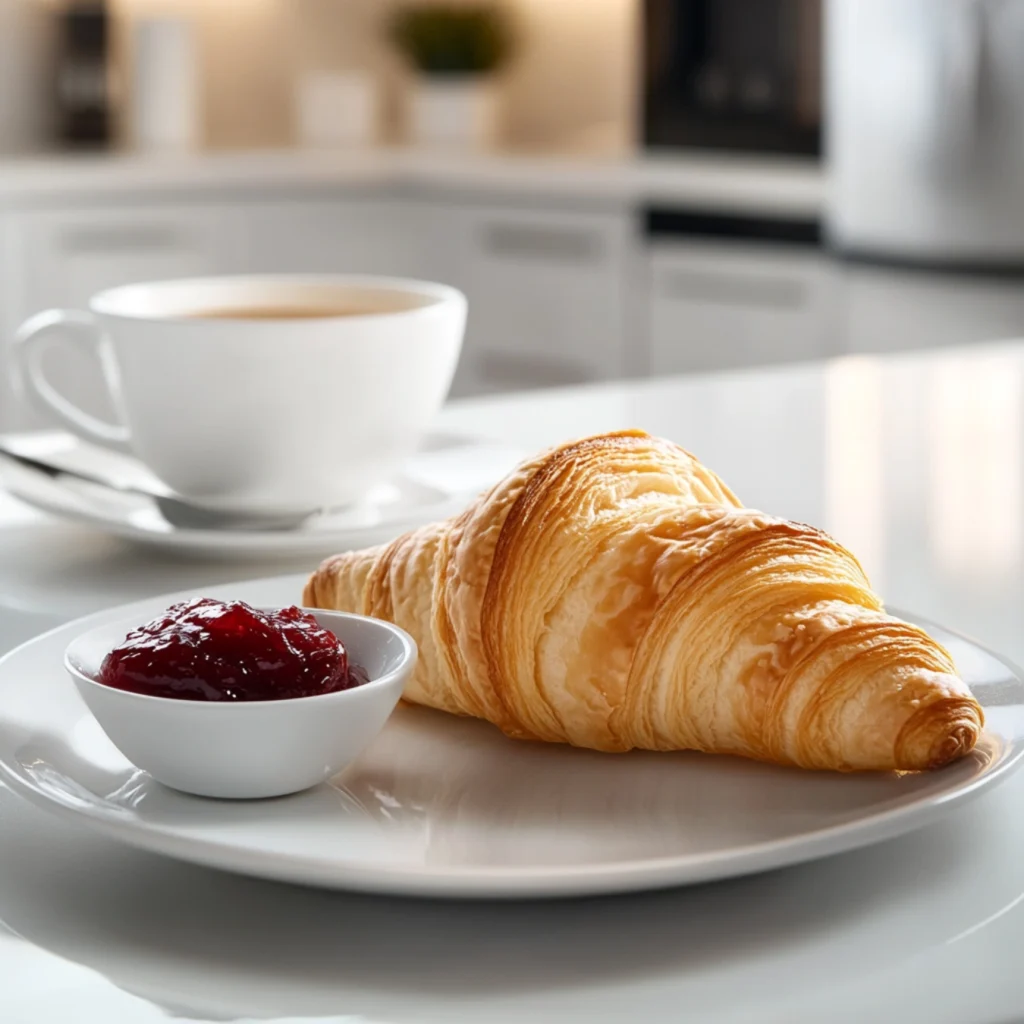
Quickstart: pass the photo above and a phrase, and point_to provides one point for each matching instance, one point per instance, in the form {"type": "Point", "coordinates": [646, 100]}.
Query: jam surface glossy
{"type": "Point", "coordinates": [229, 651]}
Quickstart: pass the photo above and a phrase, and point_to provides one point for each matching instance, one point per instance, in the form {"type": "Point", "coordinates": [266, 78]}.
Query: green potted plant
{"type": "Point", "coordinates": [455, 49]}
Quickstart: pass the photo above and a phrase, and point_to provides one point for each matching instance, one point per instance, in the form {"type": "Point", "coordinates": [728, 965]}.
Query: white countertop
{"type": "Point", "coordinates": [916, 462]}
{"type": "Point", "coordinates": [766, 185]}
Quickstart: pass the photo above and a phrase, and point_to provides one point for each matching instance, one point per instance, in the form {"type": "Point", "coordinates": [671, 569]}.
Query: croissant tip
{"type": "Point", "coordinates": [956, 744]}
{"type": "Point", "coordinates": [939, 734]}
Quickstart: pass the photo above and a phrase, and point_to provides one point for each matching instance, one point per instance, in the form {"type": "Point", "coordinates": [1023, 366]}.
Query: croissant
{"type": "Point", "coordinates": [613, 593]}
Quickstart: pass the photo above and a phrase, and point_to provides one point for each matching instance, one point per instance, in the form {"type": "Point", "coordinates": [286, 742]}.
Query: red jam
{"type": "Point", "coordinates": [229, 651]}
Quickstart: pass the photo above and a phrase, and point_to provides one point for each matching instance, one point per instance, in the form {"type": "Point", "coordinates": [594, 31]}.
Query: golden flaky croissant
{"type": "Point", "coordinates": [613, 593]}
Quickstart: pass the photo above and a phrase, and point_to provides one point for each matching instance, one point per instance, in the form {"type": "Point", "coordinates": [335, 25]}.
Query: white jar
{"type": "Point", "coordinates": [453, 113]}
{"type": "Point", "coordinates": [164, 84]}
{"type": "Point", "coordinates": [26, 49]}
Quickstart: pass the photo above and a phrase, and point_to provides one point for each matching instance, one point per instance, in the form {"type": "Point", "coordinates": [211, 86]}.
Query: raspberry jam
{"type": "Point", "coordinates": [229, 651]}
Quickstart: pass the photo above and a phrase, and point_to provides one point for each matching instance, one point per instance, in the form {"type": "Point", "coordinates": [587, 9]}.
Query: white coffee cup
{"type": "Point", "coordinates": [238, 406]}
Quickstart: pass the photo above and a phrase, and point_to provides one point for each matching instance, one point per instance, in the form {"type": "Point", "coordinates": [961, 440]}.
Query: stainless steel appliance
{"type": "Point", "coordinates": [925, 113]}
{"type": "Point", "coordinates": [733, 74]}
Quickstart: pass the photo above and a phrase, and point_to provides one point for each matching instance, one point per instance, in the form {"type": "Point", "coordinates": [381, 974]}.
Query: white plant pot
{"type": "Point", "coordinates": [453, 113]}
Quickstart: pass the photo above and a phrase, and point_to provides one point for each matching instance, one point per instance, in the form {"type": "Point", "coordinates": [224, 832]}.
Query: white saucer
{"type": "Point", "coordinates": [441, 806]}
{"type": "Point", "coordinates": [439, 481]}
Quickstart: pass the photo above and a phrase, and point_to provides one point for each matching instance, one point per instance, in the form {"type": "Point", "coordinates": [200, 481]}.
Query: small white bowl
{"type": "Point", "coordinates": [249, 749]}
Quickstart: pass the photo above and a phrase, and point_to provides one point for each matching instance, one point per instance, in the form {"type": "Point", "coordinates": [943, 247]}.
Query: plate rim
{"type": "Point", "coordinates": [500, 882]}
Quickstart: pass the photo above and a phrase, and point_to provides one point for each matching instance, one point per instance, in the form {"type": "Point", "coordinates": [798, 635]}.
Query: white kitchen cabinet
{"type": "Point", "coordinates": [559, 293]}
{"type": "Point", "coordinates": [68, 255]}
{"type": "Point", "coordinates": [890, 310]}
{"type": "Point", "coordinates": [718, 305]}
{"type": "Point", "coordinates": [331, 233]}
{"type": "Point", "coordinates": [547, 289]}
{"type": "Point", "coordinates": [60, 257]}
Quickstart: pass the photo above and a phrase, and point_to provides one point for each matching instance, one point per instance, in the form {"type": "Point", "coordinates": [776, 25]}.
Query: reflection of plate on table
{"type": "Point", "coordinates": [437, 482]}
{"type": "Point", "coordinates": [448, 807]}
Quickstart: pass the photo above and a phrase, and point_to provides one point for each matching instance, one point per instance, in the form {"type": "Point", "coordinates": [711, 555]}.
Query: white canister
{"type": "Point", "coordinates": [165, 84]}
{"type": "Point", "coordinates": [336, 108]}
{"type": "Point", "coordinates": [456, 113]}
{"type": "Point", "coordinates": [26, 54]}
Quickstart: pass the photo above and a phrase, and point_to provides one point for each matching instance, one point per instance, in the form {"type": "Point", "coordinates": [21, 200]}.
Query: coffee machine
{"type": "Point", "coordinates": [738, 75]}
{"type": "Point", "coordinates": [82, 75]}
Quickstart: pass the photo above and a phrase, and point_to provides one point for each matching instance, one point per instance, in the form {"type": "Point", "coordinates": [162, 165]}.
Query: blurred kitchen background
{"type": "Point", "coordinates": [621, 187]}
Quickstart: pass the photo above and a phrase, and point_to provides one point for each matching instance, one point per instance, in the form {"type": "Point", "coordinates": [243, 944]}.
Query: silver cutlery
{"type": "Point", "coordinates": [178, 512]}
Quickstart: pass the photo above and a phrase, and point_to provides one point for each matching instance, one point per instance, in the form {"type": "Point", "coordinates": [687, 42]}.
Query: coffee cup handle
{"type": "Point", "coordinates": [50, 329]}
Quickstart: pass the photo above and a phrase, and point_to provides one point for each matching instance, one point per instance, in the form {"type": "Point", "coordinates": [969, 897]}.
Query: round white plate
{"type": "Point", "coordinates": [438, 481]}
{"type": "Point", "coordinates": [441, 806]}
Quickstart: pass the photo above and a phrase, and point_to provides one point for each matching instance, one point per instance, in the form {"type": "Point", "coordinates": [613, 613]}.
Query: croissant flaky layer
{"type": "Point", "coordinates": [613, 593]}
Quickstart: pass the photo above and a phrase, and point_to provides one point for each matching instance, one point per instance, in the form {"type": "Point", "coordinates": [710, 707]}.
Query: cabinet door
{"type": "Point", "coordinates": [717, 306]}
{"type": "Point", "coordinates": [68, 255]}
{"type": "Point", "coordinates": [891, 310]}
{"type": "Point", "coordinates": [328, 234]}
{"type": "Point", "coordinates": [62, 257]}
{"type": "Point", "coordinates": [547, 295]}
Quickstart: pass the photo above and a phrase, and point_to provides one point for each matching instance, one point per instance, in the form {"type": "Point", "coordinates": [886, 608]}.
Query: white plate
{"type": "Point", "coordinates": [441, 806]}
{"type": "Point", "coordinates": [437, 482]}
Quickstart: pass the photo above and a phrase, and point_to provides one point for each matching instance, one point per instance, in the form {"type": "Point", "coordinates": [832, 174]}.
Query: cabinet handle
{"type": "Point", "coordinates": [721, 290]}
{"type": "Point", "coordinates": [542, 243]}
{"type": "Point", "coordinates": [121, 239]}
